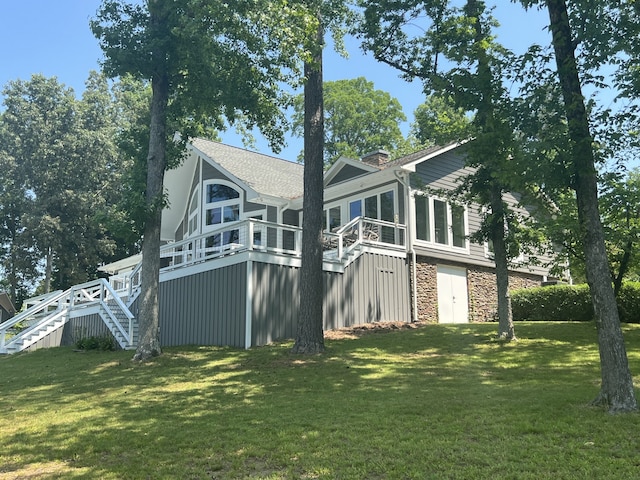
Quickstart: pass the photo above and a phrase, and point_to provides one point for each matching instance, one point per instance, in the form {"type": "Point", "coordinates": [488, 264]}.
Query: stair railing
{"type": "Point", "coordinates": [59, 301]}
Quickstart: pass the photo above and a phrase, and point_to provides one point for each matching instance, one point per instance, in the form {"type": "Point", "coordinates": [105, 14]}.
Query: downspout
{"type": "Point", "coordinates": [403, 179]}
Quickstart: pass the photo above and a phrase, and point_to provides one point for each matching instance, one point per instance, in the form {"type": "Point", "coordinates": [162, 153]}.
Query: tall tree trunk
{"type": "Point", "coordinates": [148, 317]}
{"type": "Point", "coordinates": [310, 336]}
{"type": "Point", "coordinates": [506, 330]}
{"type": "Point", "coordinates": [616, 391]}
{"type": "Point", "coordinates": [493, 129]}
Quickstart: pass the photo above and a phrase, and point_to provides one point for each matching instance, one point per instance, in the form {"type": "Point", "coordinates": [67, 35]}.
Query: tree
{"type": "Point", "coordinates": [438, 121]}
{"type": "Point", "coordinates": [616, 391]}
{"type": "Point", "coordinates": [205, 61]}
{"type": "Point", "coordinates": [309, 336]}
{"type": "Point", "coordinates": [358, 119]}
{"type": "Point", "coordinates": [18, 254]}
{"type": "Point", "coordinates": [620, 200]}
{"type": "Point", "coordinates": [58, 151]}
{"type": "Point", "coordinates": [474, 83]}
{"type": "Point", "coordinates": [322, 15]}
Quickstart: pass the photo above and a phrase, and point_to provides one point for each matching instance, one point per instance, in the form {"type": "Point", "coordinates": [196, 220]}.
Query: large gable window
{"type": "Point", "coordinates": [440, 223]}
{"type": "Point", "coordinates": [222, 204]}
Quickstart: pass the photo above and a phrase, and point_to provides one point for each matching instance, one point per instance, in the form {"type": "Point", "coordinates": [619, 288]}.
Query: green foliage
{"type": "Point", "coordinates": [223, 61]}
{"type": "Point", "coordinates": [61, 174]}
{"type": "Point", "coordinates": [571, 302]}
{"type": "Point", "coordinates": [438, 121]}
{"type": "Point", "coordinates": [629, 302]}
{"type": "Point", "coordinates": [103, 343]}
{"type": "Point", "coordinates": [358, 119]}
{"type": "Point", "coordinates": [558, 302]}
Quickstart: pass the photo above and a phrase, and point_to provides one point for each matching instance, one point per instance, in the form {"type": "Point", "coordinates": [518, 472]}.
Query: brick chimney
{"type": "Point", "coordinates": [377, 158]}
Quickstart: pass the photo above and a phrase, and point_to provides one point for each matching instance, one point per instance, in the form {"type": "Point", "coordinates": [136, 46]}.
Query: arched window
{"type": "Point", "coordinates": [222, 204]}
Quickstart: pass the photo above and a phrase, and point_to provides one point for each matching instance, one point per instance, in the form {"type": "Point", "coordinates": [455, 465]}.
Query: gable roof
{"type": "Point", "coordinates": [409, 162]}
{"type": "Point", "coordinates": [353, 168]}
{"type": "Point", "coordinates": [264, 174]}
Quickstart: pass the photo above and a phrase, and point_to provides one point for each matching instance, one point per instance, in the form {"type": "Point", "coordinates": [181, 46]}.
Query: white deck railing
{"type": "Point", "coordinates": [262, 236]}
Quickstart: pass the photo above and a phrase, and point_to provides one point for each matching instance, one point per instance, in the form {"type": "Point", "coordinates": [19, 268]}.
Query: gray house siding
{"type": "Point", "coordinates": [275, 302]}
{"type": "Point", "coordinates": [374, 288]}
{"type": "Point", "coordinates": [73, 330]}
{"type": "Point", "coordinates": [207, 308]}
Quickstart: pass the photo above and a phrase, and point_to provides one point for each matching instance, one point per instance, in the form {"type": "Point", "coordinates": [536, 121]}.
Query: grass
{"type": "Point", "coordinates": [441, 402]}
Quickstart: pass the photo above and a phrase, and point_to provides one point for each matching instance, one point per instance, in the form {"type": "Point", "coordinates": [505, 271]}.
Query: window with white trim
{"type": "Point", "coordinates": [194, 205]}
{"type": "Point", "coordinates": [222, 203]}
{"type": "Point", "coordinates": [440, 223]}
{"type": "Point", "coordinates": [378, 205]}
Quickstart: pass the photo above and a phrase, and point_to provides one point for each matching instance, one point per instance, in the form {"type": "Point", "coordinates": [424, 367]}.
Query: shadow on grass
{"type": "Point", "coordinates": [355, 412]}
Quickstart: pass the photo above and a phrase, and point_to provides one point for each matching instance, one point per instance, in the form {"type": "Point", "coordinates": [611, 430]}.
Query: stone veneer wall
{"type": "Point", "coordinates": [481, 286]}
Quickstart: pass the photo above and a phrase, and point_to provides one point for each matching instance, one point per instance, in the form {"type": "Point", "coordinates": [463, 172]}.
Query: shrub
{"type": "Point", "coordinates": [102, 342]}
{"type": "Point", "coordinates": [629, 302]}
{"type": "Point", "coordinates": [558, 302]}
{"type": "Point", "coordinates": [571, 302]}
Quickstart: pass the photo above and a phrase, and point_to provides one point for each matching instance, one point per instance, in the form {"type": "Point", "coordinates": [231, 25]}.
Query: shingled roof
{"type": "Point", "coordinates": [265, 174]}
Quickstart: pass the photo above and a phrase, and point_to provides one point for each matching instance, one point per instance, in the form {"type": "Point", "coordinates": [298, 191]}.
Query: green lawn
{"type": "Point", "coordinates": [433, 402]}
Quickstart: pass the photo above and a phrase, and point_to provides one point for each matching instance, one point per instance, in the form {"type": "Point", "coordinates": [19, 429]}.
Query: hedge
{"type": "Point", "coordinates": [571, 302]}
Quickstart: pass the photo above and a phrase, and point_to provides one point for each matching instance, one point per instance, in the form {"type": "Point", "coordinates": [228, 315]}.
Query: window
{"type": "Point", "coordinates": [355, 209]}
{"type": "Point", "coordinates": [193, 213]}
{"type": "Point", "coordinates": [222, 204]}
{"type": "Point", "coordinates": [332, 218]}
{"type": "Point", "coordinates": [439, 222]}
{"type": "Point", "coordinates": [379, 206]}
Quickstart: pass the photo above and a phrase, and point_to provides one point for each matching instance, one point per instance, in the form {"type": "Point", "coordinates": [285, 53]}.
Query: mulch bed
{"type": "Point", "coordinates": [370, 328]}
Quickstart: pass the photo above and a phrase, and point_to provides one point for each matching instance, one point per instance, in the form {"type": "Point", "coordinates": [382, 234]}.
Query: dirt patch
{"type": "Point", "coordinates": [370, 328]}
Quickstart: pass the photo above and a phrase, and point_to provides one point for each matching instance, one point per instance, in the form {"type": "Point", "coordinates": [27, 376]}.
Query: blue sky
{"type": "Point", "coordinates": [52, 37]}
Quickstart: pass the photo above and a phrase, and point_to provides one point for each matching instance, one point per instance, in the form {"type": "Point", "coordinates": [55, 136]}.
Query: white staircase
{"type": "Point", "coordinates": [49, 313]}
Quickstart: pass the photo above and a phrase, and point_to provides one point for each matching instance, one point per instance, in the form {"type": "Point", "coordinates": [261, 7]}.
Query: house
{"type": "Point", "coordinates": [230, 259]}
{"type": "Point", "coordinates": [7, 310]}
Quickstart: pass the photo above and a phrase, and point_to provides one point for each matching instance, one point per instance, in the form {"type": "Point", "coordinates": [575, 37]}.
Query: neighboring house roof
{"type": "Point", "coordinates": [265, 174]}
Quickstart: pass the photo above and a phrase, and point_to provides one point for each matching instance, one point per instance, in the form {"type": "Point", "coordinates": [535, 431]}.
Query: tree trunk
{"type": "Point", "coordinates": [148, 321]}
{"type": "Point", "coordinates": [624, 266]}
{"type": "Point", "coordinates": [310, 336]}
{"type": "Point", "coordinates": [48, 267]}
{"type": "Point", "coordinates": [616, 392]}
{"type": "Point", "coordinates": [506, 330]}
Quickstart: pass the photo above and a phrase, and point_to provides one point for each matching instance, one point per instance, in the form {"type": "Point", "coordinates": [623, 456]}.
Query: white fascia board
{"type": "Point", "coordinates": [343, 161]}
{"type": "Point", "coordinates": [411, 167]}
{"type": "Point", "coordinates": [358, 184]}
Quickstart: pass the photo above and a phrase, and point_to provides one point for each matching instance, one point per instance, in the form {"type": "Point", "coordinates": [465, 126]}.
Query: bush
{"type": "Point", "coordinates": [558, 302]}
{"type": "Point", "coordinates": [629, 302]}
{"type": "Point", "coordinates": [571, 302]}
{"type": "Point", "coordinates": [102, 343]}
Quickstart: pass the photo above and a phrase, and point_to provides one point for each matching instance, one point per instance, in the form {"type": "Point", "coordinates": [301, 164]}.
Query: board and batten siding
{"type": "Point", "coordinates": [206, 308]}
{"type": "Point", "coordinates": [73, 330]}
{"type": "Point", "coordinates": [374, 288]}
